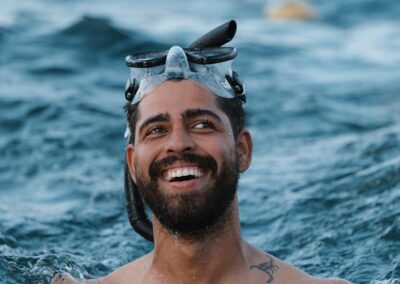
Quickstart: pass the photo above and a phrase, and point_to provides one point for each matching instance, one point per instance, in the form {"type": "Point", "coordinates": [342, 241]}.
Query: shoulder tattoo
{"type": "Point", "coordinates": [268, 267]}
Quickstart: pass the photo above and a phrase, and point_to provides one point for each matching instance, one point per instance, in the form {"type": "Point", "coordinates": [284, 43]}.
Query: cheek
{"type": "Point", "coordinates": [143, 157]}
{"type": "Point", "coordinates": [231, 153]}
{"type": "Point", "coordinates": [221, 149]}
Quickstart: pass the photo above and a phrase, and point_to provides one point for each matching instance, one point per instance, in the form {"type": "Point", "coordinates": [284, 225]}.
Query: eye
{"type": "Point", "coordinates": [203, 124]}
{"type": "Point", "coordinates": [156, 130]}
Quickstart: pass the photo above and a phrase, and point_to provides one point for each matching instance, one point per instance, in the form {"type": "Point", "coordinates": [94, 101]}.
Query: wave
{"type": "Point", "coordinates": [387, 281]}
{"type": "Point", "coordinates": [37, 269]}
{"type": "Point", "coordinates": [3, 34]}
{"type": "Point", "coordinates": [346, 13]}
{"type": "Point", "coordinates": [92, 32]}
{"type": "Point", "coordinates": [96, 36]}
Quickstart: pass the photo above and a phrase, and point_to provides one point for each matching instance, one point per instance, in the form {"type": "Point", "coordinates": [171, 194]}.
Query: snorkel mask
{"type": "Point", "coordinates": [207, 66]}
{"type": "Point", "coordinates": [205, 62]}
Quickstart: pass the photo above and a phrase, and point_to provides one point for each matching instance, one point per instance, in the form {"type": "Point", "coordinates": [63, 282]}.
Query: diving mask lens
{"type": "Point", "coordinates": [194, 55]}
{"type": "Point", "coordinates": [147, 60]}
{"type": "Point", "coordinates": [210, 55]}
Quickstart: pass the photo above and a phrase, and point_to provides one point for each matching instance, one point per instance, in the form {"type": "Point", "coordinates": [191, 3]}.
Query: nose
{"type": "Point", "coordinates": [180, 141]}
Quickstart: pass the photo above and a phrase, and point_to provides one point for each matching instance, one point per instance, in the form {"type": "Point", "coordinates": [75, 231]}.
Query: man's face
{"type": "Point", "coordinates": [184, 159]}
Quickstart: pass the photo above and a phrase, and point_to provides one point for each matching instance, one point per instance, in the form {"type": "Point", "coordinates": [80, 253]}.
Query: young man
{"type": "Point", "coordinates": [187, 149]}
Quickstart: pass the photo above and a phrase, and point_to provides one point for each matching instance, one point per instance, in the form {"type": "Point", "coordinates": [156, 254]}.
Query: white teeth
{"type": "Point", "coordinates": [174, 173]}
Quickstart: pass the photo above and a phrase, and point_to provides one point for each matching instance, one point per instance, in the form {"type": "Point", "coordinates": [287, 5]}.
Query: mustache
{"type": "Point", "coordinates": [202, 161]}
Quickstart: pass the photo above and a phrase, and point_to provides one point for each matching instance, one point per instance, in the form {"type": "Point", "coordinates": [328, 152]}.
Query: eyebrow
{"type": "Point", "coordinates": [157, 118]}
{"type": "Point", "coordinates": [192, 113]}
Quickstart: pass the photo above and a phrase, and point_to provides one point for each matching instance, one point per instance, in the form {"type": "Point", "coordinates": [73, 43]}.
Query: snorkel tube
{"type": "Point", "coordinates": [134, 202]}
{"type": "Point", "coordinates": [136, 212]}
{"type": "Point", "coordinates": [217, 37]}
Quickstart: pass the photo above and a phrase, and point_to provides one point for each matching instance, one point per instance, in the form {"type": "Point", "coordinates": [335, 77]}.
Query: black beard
{"type": "Point", "coordinates": [192, 215]}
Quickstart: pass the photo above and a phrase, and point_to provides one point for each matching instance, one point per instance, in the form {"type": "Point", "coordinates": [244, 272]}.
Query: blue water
{"type": "Point", "coordinates": [323, 192]}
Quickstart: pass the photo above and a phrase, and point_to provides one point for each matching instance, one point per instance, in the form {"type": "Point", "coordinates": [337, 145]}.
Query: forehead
{"type": "Point", "coordinates": [174, 97]}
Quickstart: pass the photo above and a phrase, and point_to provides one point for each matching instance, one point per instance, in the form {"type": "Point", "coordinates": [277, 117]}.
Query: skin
{"type": "Point", "coordinates": [223, 256]}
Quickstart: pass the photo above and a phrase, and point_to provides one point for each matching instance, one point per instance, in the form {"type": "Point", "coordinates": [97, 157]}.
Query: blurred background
{"type": "Point", "coordinates": [323, 84]}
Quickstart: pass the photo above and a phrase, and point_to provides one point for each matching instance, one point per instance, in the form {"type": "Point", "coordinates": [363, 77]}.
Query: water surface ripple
{"type": "Point", "coordinates": [323, 107]}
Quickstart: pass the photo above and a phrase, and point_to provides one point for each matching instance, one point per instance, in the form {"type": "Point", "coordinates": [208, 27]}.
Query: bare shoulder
{"type": "Point", "coordinates": [129, 273]}
{"type": "Point", "coordinates": [295, 275]}
{"type": "Point", "coordinates": [66, 278]}
{"type": "Point", "coordinates": [283, 272]}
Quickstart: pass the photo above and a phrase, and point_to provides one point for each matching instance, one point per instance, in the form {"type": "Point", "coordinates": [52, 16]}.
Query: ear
{"type": "Point", "coordinates": [130, 160]}
{"type": "Point", "coordinates": [244, 147]}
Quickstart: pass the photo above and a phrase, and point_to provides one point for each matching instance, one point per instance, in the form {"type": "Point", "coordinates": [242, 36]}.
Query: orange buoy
{"type": "Point", "coordinates": [290, 10]}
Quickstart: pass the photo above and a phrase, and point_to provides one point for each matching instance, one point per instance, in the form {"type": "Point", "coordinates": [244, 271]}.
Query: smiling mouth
{"type": "Point", "coordinates": [183, 174]}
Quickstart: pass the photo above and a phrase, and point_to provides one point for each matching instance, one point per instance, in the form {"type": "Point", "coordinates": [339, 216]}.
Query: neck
{"type": "Point", "coordinates": [205, 260]}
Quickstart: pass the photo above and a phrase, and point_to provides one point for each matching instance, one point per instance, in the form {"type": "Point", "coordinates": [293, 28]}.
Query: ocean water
{"type": "Point", "coordinates": [323, 192]}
